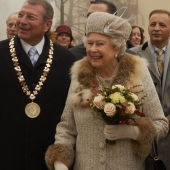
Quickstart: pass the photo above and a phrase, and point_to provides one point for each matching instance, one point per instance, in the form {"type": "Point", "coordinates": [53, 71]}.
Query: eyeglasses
{"type": "Point", "coordinates": [29, 17]}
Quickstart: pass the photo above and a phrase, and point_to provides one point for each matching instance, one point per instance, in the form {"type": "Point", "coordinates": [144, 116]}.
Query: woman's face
{"type": "Point", "coordinates": [63, 39]}
{"type": "Point", "coordinates": [135, 37]}
{"type": "Point", "coordinates": [100, 52]}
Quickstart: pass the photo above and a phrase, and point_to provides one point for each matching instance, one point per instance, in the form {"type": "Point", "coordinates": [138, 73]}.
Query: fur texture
{"type": "Point", "coordinates": [83, 127]}
{"type": "Point", "coordinates": [131, 70]}
{"type": "Point", "coordinates": [59, 152]}
{"type": "Point", "coordinates": [143, 146]}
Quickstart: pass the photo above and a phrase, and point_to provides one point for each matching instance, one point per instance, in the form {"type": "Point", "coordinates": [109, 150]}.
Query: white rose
{"type": "Point", "coordinates": [121, 88]}
{"type": "Point", "coordinates": [110, 109]}
{"type": "Point", "coordinates": [98, 102]}
{"type": "Point", "coordinates": [135, 97]}
{"type": "Point", "coordinates": [130, 108]}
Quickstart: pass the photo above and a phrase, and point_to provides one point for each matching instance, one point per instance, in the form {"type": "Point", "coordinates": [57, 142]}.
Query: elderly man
{"type": "Point", "coordinates": [11, 25]}
{"type": "Point", "coordinates": [32, 93]}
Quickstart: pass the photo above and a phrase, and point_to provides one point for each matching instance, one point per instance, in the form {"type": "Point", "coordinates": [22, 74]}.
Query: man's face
{"type": "Point", "coordinates": [31, 23]}
{"type": "Point", "coordinates": [159, 29]}
{"type": "Point", "coordinates": [11, 26]}
{"type": "Point", "coordinates": [95, 8]}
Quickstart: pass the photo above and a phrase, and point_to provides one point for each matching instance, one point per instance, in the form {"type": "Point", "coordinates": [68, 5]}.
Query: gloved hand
{"type": "Point", "coordinates": [59, 166]}
{"type": "Point", "coordinates": [114, 132]}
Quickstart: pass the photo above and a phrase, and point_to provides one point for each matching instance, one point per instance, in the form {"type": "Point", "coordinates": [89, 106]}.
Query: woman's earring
{"type": "Point", "coordinates": [116, 55]}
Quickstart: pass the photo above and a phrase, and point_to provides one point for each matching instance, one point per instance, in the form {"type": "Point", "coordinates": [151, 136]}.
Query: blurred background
{"type": "Point", "coordinates": [71, 12]}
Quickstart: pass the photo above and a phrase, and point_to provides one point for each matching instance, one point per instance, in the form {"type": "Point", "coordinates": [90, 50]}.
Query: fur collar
{"type": "Point", "coordinates": [131, 72]}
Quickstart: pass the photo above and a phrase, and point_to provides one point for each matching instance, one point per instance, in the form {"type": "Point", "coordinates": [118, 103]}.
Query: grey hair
{"type": "Point", "coordinates": [13, 14]}
{"type": "Point", "coordinates": [116, 40]}
{"type": "Point", "coordinates": [119, 43]}
{"type": "Point", "coordinates": [49, 12]}
{"type": "Point", "coordinates": [159, 11]}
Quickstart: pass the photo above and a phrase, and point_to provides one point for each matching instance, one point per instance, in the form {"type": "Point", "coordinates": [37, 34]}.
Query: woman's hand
{"type": "Point", "coordinates": [114, 132]}
{"type": "Point", "coordinates": [59, 166]}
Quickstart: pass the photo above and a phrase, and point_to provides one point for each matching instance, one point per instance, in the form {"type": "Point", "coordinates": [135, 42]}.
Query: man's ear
{"type": "Point", "coordinates": [47, 25]}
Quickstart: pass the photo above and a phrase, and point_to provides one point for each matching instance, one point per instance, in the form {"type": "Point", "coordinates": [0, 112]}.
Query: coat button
{"type": "Point", "coordinates": [102, 160]}
{"type": "Point", "coordinates": [102, 145]}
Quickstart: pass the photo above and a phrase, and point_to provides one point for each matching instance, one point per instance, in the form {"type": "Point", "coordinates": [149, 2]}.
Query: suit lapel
{"type": "Point", "coordinates": [23, 57]}
{"type": "Point", "coordinates": [165, 79]}
{"type": "Point", "coordinates": [152, 63]}
{"type": "Point", "coordinates": [45, 52]}
{"type": "Point", "coordinates": [21, 54]}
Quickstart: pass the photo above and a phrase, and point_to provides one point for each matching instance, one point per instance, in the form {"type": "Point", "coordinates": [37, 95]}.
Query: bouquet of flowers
{"type": "Point", "coordinates": [117, 105]}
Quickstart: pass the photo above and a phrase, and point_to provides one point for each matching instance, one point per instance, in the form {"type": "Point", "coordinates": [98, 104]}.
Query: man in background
{"type": "Point", "coordinates": [157, 51]}
{"type": "Point", "coordinates": [11, 25]}
{"type": "Point", "coordinates": [79, 51]}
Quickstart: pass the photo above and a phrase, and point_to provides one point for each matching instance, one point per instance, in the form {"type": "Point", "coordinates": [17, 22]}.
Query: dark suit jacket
{"type": "Point", "coordinates": [79, 51]}
{"type": "Point", "coordinates": [24, 140]}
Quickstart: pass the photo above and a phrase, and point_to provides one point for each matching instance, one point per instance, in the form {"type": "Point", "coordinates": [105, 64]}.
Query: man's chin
{"type": "Point", "coordinates": [156, 38]}
{"type": "Point", "coordinates": [22, 36]}
{"type": "Point", "coordinates": [10, 36]}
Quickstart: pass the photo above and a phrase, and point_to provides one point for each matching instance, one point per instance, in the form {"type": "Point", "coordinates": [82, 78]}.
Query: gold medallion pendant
{"type": "Point", "coordinates": [32, 110]}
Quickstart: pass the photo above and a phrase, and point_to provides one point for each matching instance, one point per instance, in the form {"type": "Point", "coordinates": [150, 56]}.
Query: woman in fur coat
{"type": "Point", "coordinates": [81, 134]}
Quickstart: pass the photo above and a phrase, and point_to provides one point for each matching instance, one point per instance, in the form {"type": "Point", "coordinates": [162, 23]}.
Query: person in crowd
{"type": "Point", "coordinates": [64, 36]}
{"type": "Point", "coordinates": [32, 93]}
{"type": "Point", "coordinates": [136, 37]}
{"type": "Point", "coordinates": [81, 128]}
{"type": "Point", "coordinates": [79, 51]}
{"type": "Point", "coordinates": [159, 66]}
{"type": "Point", "coordinates": [11, 25]}
{"type": "Point", "coordinates": [52, 35]}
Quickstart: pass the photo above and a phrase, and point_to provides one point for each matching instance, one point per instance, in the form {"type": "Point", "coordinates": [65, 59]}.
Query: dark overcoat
{"type": "Point", "coordinates": [24, 140]}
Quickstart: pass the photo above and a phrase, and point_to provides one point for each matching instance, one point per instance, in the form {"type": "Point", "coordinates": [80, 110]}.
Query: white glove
{"type": "Point", "coordinates": [59, 166]}
{"type": "Point", "coordinates": [114, 132]}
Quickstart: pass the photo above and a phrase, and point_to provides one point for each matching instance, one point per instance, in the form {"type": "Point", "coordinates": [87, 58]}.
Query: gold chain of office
{"type": "Point", "coordinates": [32, 109]}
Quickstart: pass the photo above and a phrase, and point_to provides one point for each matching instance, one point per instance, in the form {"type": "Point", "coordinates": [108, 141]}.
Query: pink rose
{"type": "Point", "coordinates": [110, 109]}
{"type": "Point", "coordinates": [130, 108]}
{"type": "Point", "coordinates": [98, 102]}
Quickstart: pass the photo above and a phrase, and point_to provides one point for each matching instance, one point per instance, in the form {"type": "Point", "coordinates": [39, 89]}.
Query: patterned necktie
{"type": "Point", "coordinates": [31, 54]}
{"type": "Point", "coordinates": [160, 61]}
